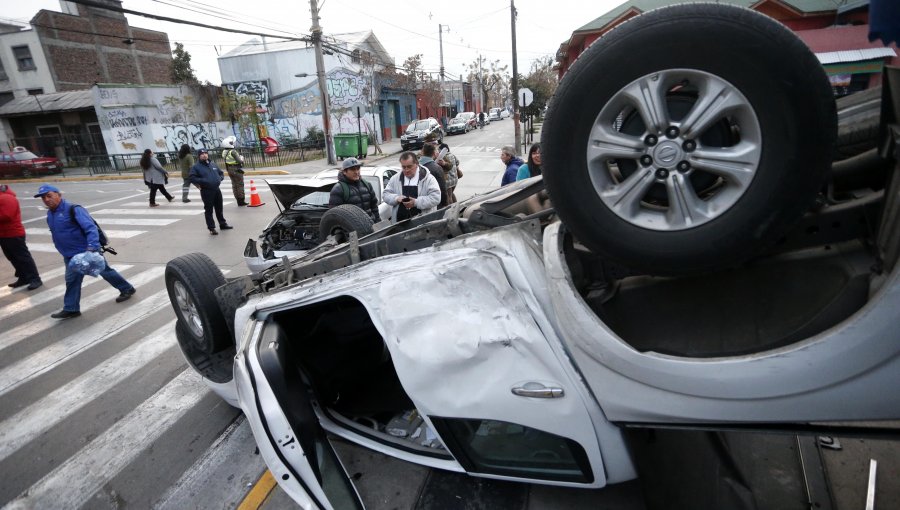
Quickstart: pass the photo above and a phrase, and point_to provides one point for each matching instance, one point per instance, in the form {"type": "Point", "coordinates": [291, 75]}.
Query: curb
{"type": "Point", "coordinates": [120, 177]}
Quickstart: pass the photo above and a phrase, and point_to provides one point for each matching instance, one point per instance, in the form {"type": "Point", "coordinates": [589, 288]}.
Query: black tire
{"type": "Point", "coordinates": [781, 111]}
{"type": "Point", "coordinates": [859, 116]}
{"type": "Point", "coordinates": [339, 221]}
{"type": "Point", "coordinates": [190, 281]}
{"type": "Point", "coordinates": [217, 367]}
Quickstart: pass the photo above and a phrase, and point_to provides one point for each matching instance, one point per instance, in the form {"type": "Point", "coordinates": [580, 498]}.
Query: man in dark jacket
{"type": "Point", "coordinates": [74, 232]}
{"type": "Point", "coordinates": [12, 241]}
{"type": "Point", "coordinates": [207, 176]}
{"type": "Point", "coordinates": [512, 162]}
{"type": "Point", "coordinates": [352, 189]}
{"type": "Point", "coordinates": [429, 151]}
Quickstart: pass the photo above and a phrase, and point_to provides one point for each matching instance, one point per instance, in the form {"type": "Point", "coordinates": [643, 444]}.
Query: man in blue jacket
{"type": "Point", "coordinates": [512, 162]}
{"type": "Point", "coordinates": [74, 232]}
{"type": "Point", "coordinates": [207, 176]}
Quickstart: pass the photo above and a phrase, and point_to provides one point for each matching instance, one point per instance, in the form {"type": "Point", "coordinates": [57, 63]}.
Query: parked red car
{"type": "Point", "coordinates": [22, 162]}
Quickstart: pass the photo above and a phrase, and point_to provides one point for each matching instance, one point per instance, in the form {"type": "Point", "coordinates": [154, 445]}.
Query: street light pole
{"type": "Point", "coordinates": [515, 76]}
{"type": "Point", "coordinates": [323, 90]}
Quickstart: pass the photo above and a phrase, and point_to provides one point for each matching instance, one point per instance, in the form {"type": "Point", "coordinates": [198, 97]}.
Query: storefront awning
{"type": "Point", "coordinates": [48, 103]}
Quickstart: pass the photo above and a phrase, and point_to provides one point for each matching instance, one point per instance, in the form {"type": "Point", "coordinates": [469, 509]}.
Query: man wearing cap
{"type": "Point", "coordinates": [352, 189]}
{"type": "Point", "coordinates": [12, 241]}
{"type": "Point", "coordinates": [74, 232]}
{"type": "Point", "coordinates": [207, 176]}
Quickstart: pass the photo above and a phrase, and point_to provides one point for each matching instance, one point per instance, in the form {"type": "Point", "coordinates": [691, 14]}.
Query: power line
{"type": "Point", "coordinates": [221, 14]}
{"type": "Point", "coordinates": [89, 3]}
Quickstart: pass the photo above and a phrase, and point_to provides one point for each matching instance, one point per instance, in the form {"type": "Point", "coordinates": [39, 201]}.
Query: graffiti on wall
{"type": "Point", "coordinates": [173, 109]}
{"type": "Point", "coordinates": [345, 88]}
{"type": "Point", "coordinates": [258, 90]}
{"type": "Point", "coordinates": [196, 135]}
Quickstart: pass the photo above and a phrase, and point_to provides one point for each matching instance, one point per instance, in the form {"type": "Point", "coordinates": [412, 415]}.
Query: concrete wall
{"type": "Point", "coordinates": [159, 118]}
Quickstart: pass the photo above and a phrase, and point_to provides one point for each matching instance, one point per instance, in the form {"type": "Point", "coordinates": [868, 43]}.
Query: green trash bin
{"type": "Point", "coordinates": [347, 145]}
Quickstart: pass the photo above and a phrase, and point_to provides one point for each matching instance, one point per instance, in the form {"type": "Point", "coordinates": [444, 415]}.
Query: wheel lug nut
{"type": "Point", "coordinates": [683, 166]}
{"type": "Point", "coordinates": [646, 160]}
{"type": "Point", "coordinates": [689, 145]}
{"type": "Point", "coordinates": [651, 140]}
{"type": "Point", "coordinates": [662, 173]}
{"type": "Point", "coordinates": [672, 132]}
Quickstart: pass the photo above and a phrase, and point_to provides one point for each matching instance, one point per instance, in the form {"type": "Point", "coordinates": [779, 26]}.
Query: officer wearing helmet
{"type": "Point", "coordinates": [352, 189]}
{"type": "Point", "coordinates": [234, 168]}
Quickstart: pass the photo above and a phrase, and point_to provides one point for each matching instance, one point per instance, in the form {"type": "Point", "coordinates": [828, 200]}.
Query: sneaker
{"type": "Point", "coordinates": [64, 314]}
{"type": "Point", "coordinates": [185, 200]}
{"type": "Point", "coordinates": [170, 199]}
{"type": "Point", "coordinates": [226, 227]}
{"type": "Point", "coordinates": [35, 284]}
{"type": "Point", "coordinates": [18, 283]}
{"type": "Point", "coordinates": [213, 232]}
{"type": "Point", "coordinates": [125, 296]}
{"type": "Point", "coordinates": [154, 205]}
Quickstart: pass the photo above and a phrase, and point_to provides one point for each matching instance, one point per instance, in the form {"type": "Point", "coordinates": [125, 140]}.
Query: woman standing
{"type": "Point", "coordinates": [155, 176]}
{"type": "Point", "coordinates": [533, 167]}
{"type": "Point", "coordinates": [185, 162]}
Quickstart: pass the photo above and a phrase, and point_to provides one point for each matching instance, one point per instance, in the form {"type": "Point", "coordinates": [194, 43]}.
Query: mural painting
{"type": "Point", "coordinates": [259, 90]}
{"type": "Point", "coordinates": [195, 135]}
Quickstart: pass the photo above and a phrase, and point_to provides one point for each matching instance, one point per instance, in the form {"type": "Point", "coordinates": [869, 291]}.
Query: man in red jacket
{"type": "Point", "coordinates": [12, 240]}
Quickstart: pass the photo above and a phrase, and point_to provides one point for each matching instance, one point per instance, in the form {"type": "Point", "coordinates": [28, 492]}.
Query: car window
{"type": "Point", "coordinates": [419, 126]}
{"type": "Point", "coordinates": [508, 449]}
{"type": "Point", "coordinates": [6, 158]}
{"type": "Point", "coordinates": [314, 198]}
{"type": "Point", "coordinates": [387, 176]}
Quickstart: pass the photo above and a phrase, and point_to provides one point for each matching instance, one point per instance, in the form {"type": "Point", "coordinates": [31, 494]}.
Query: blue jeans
{"type": "Point", "coordinates": [73, 285]}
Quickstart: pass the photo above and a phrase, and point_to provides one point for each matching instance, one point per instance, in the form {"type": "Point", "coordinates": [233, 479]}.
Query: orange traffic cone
{"type": "Point", "coordinates": [254, 196]}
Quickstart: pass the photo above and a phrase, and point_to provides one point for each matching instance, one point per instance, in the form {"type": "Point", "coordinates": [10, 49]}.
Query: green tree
{"type": "Point", "coordinates": [182, 72]}
{"type": "Point", "coordinates": [542, 81]}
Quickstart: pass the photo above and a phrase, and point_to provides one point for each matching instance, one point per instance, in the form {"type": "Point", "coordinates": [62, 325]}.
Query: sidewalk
{"type": "Point", "coordinates": [390, 149]}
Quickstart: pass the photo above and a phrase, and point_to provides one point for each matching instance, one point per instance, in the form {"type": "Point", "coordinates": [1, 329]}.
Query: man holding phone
{"type": "Point", "coordinates": [412, 191]}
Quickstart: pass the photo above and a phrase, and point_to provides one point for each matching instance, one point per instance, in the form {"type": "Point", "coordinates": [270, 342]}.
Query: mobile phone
{"type": "Point", "coordinates": [405, 199]}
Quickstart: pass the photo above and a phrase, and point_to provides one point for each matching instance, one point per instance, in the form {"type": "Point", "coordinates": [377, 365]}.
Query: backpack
{"type": "Point", "coordinates": [104, 241]}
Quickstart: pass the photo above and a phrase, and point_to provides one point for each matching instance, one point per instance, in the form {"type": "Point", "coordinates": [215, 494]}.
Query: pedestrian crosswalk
{"type": "Point", "coordinates": [57, 379]}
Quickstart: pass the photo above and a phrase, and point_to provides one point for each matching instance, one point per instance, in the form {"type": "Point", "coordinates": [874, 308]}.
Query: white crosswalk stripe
{"type": "Point", "coordinates": [50, 294]}
{"type": "Point", "coordinates": [177, 203]}
{"type": "Point", "coordinates": [112, 234]}
{"type": "Point", "coordinates": [149, 222]}
{"type": "Point", "coordinates": [71, 484]}
{"type": "Point", "coordinates": [156, 211]}
{"type": "Point", "coordinates": [46, 276]}
{"type": "Point", "coordinates": [70, 479]}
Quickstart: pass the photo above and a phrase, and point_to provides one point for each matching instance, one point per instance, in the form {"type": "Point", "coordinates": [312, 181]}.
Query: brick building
{"type": "Point", "coordinates": [835, 31]}
{"type": "Point", "coordinates": [64, 53]}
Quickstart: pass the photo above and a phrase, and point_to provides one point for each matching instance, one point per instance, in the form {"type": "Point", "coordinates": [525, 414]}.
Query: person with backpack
{"type": "Point", "coordinates": [74, 231]}
{"type": "Point", "coordinates": [352, 189]}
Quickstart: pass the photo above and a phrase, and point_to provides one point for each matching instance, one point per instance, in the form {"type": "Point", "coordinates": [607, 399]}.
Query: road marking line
{"type": "Point", "coordinates": [259, 493]}
{"type": "Point", "coordinates": [160, 211]}
{"type": "Point", "coordinates": [76, 480]}
{"type": "Point", "coordinates": [226, 469]}
{"type": "Point", "coordinates": [177, 203]}
{"type": "Point", "coordinates": [42, 247]}
{"type": "Point", "coordinates": [40, 416]}
{"type": "Point", "coordinates": [44, 323]}
{"type": "Point", "coordinates": [155, 222]}
{"type": "Point", "coordinates": [112, 234]}
{"type": "Point", "coordinates": [45, 277]}
{"type": "Point", "coordinates": [44, 218]}
{"type": "Point", "coordinates": [49, 295]}
{"type": "Point", "coordinates": [46, 359]}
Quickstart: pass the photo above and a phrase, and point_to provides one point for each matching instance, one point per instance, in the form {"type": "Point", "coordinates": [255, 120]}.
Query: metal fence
{"type": "Point", "coordinates": [254, 158]}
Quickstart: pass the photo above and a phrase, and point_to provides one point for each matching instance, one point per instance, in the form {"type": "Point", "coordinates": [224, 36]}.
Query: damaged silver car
{"type": "Point", "coordinates": [503, 337]}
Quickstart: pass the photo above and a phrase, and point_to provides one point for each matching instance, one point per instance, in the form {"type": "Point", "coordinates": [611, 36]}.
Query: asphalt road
{"type": "Point", "coordinates": [101, 411]}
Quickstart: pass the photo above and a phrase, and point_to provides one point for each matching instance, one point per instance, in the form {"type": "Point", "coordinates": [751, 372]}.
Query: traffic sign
{"type": "Point", "coordinates": [526, 96]}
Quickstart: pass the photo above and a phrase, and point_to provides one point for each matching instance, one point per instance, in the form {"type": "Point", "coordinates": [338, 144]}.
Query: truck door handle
{"type": "Point", "coordinates": [537, 390]}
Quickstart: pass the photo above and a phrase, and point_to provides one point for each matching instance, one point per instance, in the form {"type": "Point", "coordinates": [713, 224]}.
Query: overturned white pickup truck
{"type": "Point", "coordinates": [674, 282]}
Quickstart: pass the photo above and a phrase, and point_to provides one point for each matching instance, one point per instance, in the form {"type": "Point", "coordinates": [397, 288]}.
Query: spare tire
{"type": "Point", "coordinates": [340, 220]}
{"type": "Point", "coordinates": [688, 138]}
{"type": "Point", "coordinates": [190, 281]}
{"type": "Point", "coordinates": [859, 116]}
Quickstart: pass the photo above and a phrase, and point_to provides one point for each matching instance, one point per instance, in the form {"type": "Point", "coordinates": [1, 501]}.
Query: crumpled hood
{"type": "Point", "coordinates": [287, 192]}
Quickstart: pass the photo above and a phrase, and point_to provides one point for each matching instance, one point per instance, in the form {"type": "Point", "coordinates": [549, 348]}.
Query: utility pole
{"type": "Point", "coordinates": [323, 89]}
{"type": "Point", "coordinates": [441, 42]}
{"type": "Point", "coordinates": [515, 76]}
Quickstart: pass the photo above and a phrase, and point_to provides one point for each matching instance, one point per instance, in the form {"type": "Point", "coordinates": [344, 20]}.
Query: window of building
{"type": "Point", "coordinates": [355, 57]}
{"type": "Point", "coordinates": [6, 97]}
{"type": "Point", "coordinates": [2, 73]}
{"type": "Point", "coordinates": [23, 58]}
{"type": "Point", "coordinates": [35, 92]}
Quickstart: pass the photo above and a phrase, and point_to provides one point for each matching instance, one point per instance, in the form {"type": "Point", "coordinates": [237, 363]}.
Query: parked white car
{"type": "Point", "coordinates": [303, 202]}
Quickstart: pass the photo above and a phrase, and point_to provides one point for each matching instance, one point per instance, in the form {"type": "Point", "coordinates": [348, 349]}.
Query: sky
{"type": "Point", "coordinates": [405, 28]}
